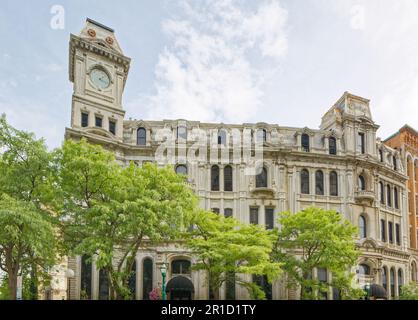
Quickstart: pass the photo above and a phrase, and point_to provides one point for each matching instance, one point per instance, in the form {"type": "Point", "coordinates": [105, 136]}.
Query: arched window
{"type": "Point", "coordinates": [364, 269]}
{"type": "Point", "coordinates": [222, 137]}
{"type": "Point", "coordinates": [333, 183]}
{"type": "Point", "coordinates": [332, 145]}
{"type": "Point", "coordinates": [322, 276]}
{"type": "Point", "coordinates": [261, 135]}
{"type": "Point", "coordinates": [261, 179]}
{"type": "Point", "coordinates": [181, 169]}
{"type": "Point", "coordinates": [180, 267]}
{"type": "Point", "coordinates": [147, 278]}
{"type": "Point", "coordinates": [141, 137]}
{"type": "Point", "coordinates": [400, 280]}
{"type": "Point", "coordinates": [230, 286]}
{"type": "Point", "coordinates": [414, 272]}
{"type": "Point", "coordinates": [362, 226]}
{"type": "Point", "coordinates": [389, 195]}
{"type": "Point", "coordinates": [319, 182]}
{"type": "Point", "coordinates": [264, 285]}
{"type": "Point", "coordinates": [181, 133]}
{"type": "Point", "coordinates": [85, 278]}
{"type": "Point", "coordinates": [396, 197]}
{"type": "Point", "coordinates": [305, 142]}
{"type": "Point", "coordinates": [361, 183]}
{"type": "Point", "coordinates": [392, 282]}
{"type": "Point", "coordinates": [132, 281]}
{"type": "Point", "coordinates": [385, 278]}
{"type": "Point", "coordinates": [228, 212]}
{"type": "Point", "coordinates": [382, 192]}
{"type": "Point", "coordinates": [304, 181]}
{"type": "Point", "coordinates": [228, 178]}
{"type": "Point", "coordinates": [214, 178]}
{"type": "Point", "coordinates": [103, 285]}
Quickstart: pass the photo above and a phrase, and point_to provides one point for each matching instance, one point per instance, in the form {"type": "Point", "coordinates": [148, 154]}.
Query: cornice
{"type": "Point", "coordinates": [111, 54]}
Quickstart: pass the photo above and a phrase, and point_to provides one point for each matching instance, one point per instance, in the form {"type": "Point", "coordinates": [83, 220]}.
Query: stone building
{"type": "Point", "coordinates": [341, 166]}
{"type": "Point", "coordinates": [406, 141]}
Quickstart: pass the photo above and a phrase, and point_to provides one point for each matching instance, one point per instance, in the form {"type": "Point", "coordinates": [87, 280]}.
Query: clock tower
{"type": "Point", "coordinates": [99, 69]}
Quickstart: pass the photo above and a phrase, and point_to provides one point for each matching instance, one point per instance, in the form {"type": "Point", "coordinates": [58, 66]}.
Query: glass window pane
{"type": "Point", "coordinates": [141, 137]}
{"type": "Point", "coordinates": [228, 212]}
{"type": "Point", "coordinates": [261, 179]}
{"type": "Point", "coordinates": [332, 145]}
{"type": "Point", "coordinates": [304, 180]}
{"type": "Point", "coordinates": [254, 215]}
{"type": "Point", "coordinates": [84, 119]}
{"type": "Point", "coordinates": [147, 275]}
{"type": "Point", "coordinates": [269, 218]}
{"type": "Point", "coordinates": [181, 169]}
{"type": "Point", "coordinates": [333, 183]}
{"type": "Point", "coordinates": [228, 178]}
{"type": "Point", "coordinates": [319, 183]}
{"type": "Point", "coordinates": [215, 178]}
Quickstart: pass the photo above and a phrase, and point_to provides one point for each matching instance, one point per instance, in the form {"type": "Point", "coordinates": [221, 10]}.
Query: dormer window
{"type": "Point", "coordinates": [361, 143]}
{"type": "Point", "coordinates": [141, 137]}
{"type": "Point", "coordinates": [181, 133]}
{"type": "Point", "coordinates": [395, 163]}
{"type": "Point", "coordinates": [305, 142]}
{"type": "Point", "coordinates": [261, 135]}
{"type": "Point", "coordinates": [222, 137]}
{"type": "Point", "coordinates": [361, 183]}
{"type": "Point", "coordinates": [332, 145]}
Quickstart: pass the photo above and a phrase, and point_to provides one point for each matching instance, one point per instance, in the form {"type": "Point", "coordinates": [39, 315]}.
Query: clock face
{"type": "Point", "coordinates": [99, 78]}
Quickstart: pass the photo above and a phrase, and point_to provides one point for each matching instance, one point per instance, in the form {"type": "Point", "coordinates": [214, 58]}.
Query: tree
{"type": "Point", "coordinates": [317, 238]}
{"type": "Point", "coordinates": [111, 211]}
{"type": "Point", "coordinates": [26, 165]}
{"type": "Point", "coordinates": [26, 239]}
{"type": "Point", "coordinates": [409, 291]}
{"type": "Point", "coordinates": [26, 169]}
{"type": "Point", "coordinates": [225, 247]}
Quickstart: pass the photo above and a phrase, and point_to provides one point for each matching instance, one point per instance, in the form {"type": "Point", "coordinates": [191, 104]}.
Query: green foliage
{"type": "Point", "coordinates": [112, 211]}
{"type": "Point", "coordinates": [317, 238]}
{"type": "Point", "coordinates": [4, 288]}
{"type": "Point", "coordinates": [224, 245]}
{"type": "Point", "coordinates": [409, 291]}
{"type": "Point", "coordinates": [26, 189]}
{"type": "Point", "coordinates": [26, 165]}
{"type": "Point", "coordinates": [26, 237]}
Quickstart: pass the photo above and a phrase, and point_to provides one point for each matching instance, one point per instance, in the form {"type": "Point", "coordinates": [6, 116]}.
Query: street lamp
{"type": "Point", "coordinates": [163, 269]}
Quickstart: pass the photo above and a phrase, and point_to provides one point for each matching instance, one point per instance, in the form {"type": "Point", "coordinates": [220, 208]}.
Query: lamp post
{"type": "Point", "coordinates": [163, 269]}
{"type": "Point", "coordinates": [69, 274]}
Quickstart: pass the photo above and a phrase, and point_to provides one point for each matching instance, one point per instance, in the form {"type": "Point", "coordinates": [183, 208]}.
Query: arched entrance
{"type": "Point", "coordinates": [179, 288]}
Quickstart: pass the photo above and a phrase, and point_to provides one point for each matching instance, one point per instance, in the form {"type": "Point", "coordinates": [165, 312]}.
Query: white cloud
{"type": "Point", "coordinates": [390, 38]}
{"type": "Point", "coordinates": [213, 68]}
{"type": "Point", "coordinates": [27, 115]}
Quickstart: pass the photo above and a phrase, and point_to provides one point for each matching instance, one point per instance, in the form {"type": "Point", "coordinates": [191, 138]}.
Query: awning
{"type": "Point", "coordinates": [179, 283]}
{"type": "Point", "coordinates": [377, 291]}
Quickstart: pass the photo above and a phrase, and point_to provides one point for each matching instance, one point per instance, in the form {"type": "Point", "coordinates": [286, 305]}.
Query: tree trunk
{"type": "Point", "coordinates": [12, 286]}
{"type": "Point", "coordinates": [12, 270]}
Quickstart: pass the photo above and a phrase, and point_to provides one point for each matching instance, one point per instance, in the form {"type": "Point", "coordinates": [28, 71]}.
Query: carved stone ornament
{"type": "Point", "coordinates": [109, 40]}
{"type": "Point", "coordinates": [91, 33]}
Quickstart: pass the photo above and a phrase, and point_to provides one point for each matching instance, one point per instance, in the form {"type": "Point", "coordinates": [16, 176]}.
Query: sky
{"type": "Point", "coordinates": [277, 61]}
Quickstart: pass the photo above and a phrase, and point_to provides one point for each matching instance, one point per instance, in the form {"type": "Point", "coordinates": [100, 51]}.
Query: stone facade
{"type": "Point", "coordinates": [343, 153]}
{"type": "Point", "coordinates": [406, 141]}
